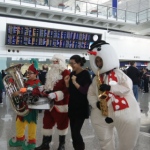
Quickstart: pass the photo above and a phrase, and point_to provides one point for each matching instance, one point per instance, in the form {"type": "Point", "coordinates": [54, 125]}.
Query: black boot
{"type": "Point", "coordinates": [45, 143]}
{"type": "Point", "coordinates": [80, 146]}
{"type": "Point", "coordinates": [61, 142]}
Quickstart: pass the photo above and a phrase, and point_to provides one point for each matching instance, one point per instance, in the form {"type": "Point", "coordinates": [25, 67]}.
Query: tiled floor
{"type": "Point", "coordinates": [7, 128]}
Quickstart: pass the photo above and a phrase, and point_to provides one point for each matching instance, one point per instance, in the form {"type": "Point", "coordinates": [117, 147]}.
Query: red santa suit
{"type": "Point", "coordinates": [58, 114]}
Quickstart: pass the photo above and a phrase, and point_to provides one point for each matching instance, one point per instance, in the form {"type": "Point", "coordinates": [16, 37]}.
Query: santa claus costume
{"type": "Point", "coordinates": [112, 100]}
{"type": "Point", "coordinates": [30, 119]}
{"type": "Point", "coordinates": [58, 115]}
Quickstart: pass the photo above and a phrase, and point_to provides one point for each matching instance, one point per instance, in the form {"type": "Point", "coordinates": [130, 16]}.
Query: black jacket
{"type": "Point", "coordinates": [42, 76]}
{"type": "Point", "coordinates": [78, 103]}
{"type": "Point", "coordinates": [133, 74]}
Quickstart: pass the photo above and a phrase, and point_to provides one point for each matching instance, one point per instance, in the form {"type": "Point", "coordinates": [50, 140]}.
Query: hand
{"type": "Point", "coordinates": [41, 88]}
{"type": "Point", "coordinates": [17, 93]}
{"type": "Point", "coordinates": [98, 105]}
{"type": "Point", "coordinates": [52, 96]}
{"type": "Point", "coordinates": [104, 87]}
{"type": "Point", "coordinates": [66, 79]}
{"type": "Point", "coordinates": [30, 89]}
{"type": "Point", "coordinates": [73, 79]}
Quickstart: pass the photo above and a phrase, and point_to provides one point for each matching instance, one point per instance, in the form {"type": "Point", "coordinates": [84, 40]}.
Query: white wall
{"type": "Point", "coordinates": [129, 48]}
{"type": "Point", "coordinates": [126, 48]}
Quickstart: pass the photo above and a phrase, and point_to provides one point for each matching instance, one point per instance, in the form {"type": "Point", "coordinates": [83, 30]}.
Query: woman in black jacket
{"type": "Point", "coordinates": [78, 83]}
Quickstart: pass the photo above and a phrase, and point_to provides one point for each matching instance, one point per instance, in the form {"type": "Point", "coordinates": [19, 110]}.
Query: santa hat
{"type": "Point", "coordinates": [61, 60]}
{"type": "Point", "coordinates": [34, 66]}
{"type": "Point", "coordinates": [59, 57]}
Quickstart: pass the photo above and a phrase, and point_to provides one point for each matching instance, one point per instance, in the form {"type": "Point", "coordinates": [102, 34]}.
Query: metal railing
{"type": "Point", "coordinates": [87, 9]}
{"type": "Point", "coordinates": [144, 16]}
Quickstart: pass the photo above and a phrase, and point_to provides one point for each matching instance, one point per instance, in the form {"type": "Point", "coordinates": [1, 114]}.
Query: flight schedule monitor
{"type": "Point", "coordinates": [21, 35]}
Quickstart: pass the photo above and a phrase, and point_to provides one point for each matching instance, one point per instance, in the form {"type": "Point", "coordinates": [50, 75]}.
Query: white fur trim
{"type": "Point", "coordinates": [62, 108]}
{"type": "Point", "coordinates": [59, 95]}
{"type": "Point", "coordinates": [62, 132]}
{"type": "Point", "coordinates": [59, 57]}
{"type": "Point", "coordinates": [48, 132]}
{"type": "Point", "coordinates": [53, 76]}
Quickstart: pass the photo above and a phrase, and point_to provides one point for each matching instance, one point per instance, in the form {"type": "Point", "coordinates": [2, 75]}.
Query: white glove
{"type": "Point", "coordinates": [30, 89]}
{"type": "Point", "coordinates": [41, 88]}
{"type": "Point", "coordinates": [52, 95]}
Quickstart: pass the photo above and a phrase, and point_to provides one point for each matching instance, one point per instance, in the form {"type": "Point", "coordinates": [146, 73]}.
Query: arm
{"type": "Point", "coordinates": [87, 81]}
{"type": "Point", "coordinates": [76, 84]}
{"type": "Point", "coordinates": [66, 79]}
{"type": "Point", "coordinates": [36, 88]}
{"type": "Point", "coordinates": [123, 86]}
{"type": "Point", "coordinates": [92, 96]}
{"type": "Point", "coordinates": [84, 89]}
{"type": "Point", "coordinates": [63, 91]}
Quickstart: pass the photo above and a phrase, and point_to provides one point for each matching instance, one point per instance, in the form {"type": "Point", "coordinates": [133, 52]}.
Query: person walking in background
{"type": "Point", "coordinates": [141, 79]}
{"type": "Point", "coordinates": [1, 88]}
{"type": "Point", "coordinates": [78, 83]}
{"type": "Point", "coordinates": [90, 72]}
{"type": "Point", "coordinates": [145, 77]}
{"type": "Point", "coordinates": [3, 74]}
{"type": "Point", "coordinates": [42, 74]}
{"type": "Point", "coordinates": [134, 74]}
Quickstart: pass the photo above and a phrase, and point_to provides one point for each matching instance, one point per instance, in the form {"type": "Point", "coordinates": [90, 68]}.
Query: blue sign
{"type": "Point", "coordinates": [114, 8]}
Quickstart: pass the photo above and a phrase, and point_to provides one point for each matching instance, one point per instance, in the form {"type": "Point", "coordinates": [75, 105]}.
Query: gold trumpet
{"type": "Point", "coordinates": [102, 96]}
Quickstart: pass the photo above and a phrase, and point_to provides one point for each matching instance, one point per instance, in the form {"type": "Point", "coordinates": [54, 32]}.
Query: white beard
{"type": "Point", "coordinates": [53, 76]}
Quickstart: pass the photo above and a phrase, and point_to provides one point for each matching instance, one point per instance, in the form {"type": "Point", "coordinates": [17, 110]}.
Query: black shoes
{"type": "Point", "coordinates": [45, 143]}
{"type": "Point", "coordinates": [61, 142]}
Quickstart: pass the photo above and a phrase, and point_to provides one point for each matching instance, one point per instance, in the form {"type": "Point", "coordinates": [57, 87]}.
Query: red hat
{"type": "Point", "coordinates": [33, 69]}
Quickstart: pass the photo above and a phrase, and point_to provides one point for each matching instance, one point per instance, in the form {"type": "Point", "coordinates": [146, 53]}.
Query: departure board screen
{"type": "Point", "coordinates": [21, 35]}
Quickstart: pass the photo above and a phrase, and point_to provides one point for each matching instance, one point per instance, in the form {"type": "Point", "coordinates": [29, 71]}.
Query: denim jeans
{"type": "Point", "coordinates": [142, 84]}
{"type": "Point", "coordinates": [135, 91]}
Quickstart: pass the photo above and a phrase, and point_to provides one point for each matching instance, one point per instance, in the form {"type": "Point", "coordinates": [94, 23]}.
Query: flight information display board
{"type": "Point", "coordinates": [20, 35]}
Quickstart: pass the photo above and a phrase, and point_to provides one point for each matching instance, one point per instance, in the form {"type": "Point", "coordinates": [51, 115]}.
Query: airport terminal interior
{"type": "Point", "coordinates": [40, 29]}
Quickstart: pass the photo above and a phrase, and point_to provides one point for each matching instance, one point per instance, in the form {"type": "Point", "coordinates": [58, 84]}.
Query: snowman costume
{"type": "Point", "coordinates": [123, 109]}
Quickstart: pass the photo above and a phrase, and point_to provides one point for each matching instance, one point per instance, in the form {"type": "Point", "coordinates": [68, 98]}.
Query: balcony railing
{"type": "Point", "coordinates": [144, 16]}
{"type": "Point", "coordinates": [87, 9]}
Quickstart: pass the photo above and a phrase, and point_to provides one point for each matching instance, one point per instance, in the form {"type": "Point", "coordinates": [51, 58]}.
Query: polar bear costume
{"type": "Point", "coordinates": [123, 109]}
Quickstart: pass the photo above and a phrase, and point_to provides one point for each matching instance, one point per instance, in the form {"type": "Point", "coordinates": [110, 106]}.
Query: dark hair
{"type": "Point", "coordinates": [145, 69]}
{"type": "Point", "coordinates": [79, 59]}
{"type": "Point", "coordinates": [45, 67]}
{"type": "Point", "coordinates": [132, 63]}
